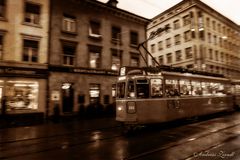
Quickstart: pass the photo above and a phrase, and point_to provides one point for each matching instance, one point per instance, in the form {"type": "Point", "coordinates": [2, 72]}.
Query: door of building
{"type": "Point", "coordinates": [67, 97]}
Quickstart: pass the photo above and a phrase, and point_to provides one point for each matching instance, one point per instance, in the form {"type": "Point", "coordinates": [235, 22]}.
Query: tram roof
{"type": "Point", "coordinates": [169, 71]}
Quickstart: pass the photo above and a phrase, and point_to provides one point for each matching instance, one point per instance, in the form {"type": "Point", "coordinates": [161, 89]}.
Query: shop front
{"type": "Point", "coordinates": [25, 93]}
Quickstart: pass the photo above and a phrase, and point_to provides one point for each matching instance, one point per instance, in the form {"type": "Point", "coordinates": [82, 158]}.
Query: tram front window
{"type": "Point", "coordinates": [121, 90]}
{"type": "Point", "coordinates": [142, 88]}
{"type": "Point", "coordinates": [130, 92]}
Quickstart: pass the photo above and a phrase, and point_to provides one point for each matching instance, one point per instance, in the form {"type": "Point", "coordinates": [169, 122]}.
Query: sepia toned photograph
{"type": "Point", "coordinates": [119, 80]}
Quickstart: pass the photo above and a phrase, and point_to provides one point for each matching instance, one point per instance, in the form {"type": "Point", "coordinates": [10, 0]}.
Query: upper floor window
{"type": "Point", "coordinates": [176, 24]}
{"type": "Point", "coordinates": [169, 58]}
{"type": "Point", "coordinates": [134, 38]}
{"type": "Point", "coordinates": [134, 60]}
{"type": "Point", "coordinates": [69, 52]}
{"type": "Point", "coordinates": [168, 42]}
{"type": "Point", "coordinates": [210, 54]}
{"type": "Point", "coordinates": [32, 13]}
{"type": "Point", "coordinates": [208, 22]}
{"type": "Point", "coordinates": [186, 20]}
{"type": "Point", "coordinates": [69, 23]}
{"type": "Point", "coordinates": [214, 25]}
{"type": "Point", "coordinates": [160, 60]}
{"type": "Point", "coordinates": [94, 29]}
{"type": "Point", "coordinates": [153, 48]}
{"type": "Point", "coordinates": [177, 39]}
{"type": "Point", "coordinates": [116, 34]}
{"type": "Point", "coordinates": [116, 59]}
{"type": "Point", "coordinates": [94, 56]}
{"type": "Point", "coordinates": [187, 36]}
{"type": "Point", "coordinates": [2, 8]}
{"type": "Point", "coordinates": [160, 45]}
{"type": "Point", "coordinates": [188, 52]}
{"type": "Point", "coordinates": [30, 50]}
{"type": "Point", "coordinates": [178, 55]}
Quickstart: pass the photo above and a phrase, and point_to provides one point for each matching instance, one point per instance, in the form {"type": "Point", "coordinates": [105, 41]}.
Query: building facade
{"type": "Point", "coordinates": [89, 41]}
{"type": "Point", "coordinates": [24, 27]}
{"type": "Point", "coordinates": [200, 38]}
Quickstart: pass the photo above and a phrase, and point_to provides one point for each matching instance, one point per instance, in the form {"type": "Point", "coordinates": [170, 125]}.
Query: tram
{"type": "Point", "coordinates": [154, 95]}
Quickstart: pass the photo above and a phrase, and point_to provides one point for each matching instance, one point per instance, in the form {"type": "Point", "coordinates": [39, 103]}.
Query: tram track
{"type": "Point", "coordinates": [55, 144]}
{"type": "Point", "coordinates": [174, 144]}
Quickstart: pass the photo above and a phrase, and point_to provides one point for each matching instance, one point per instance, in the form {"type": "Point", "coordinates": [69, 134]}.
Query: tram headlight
{"type": "Point", "coordinates": [131, 107]}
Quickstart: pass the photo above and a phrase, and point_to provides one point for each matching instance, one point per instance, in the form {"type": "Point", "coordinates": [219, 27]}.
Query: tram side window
{"type": "Point", "coordinates": [121, 90]}
{"type": "Point", "coordinates": [142, 88]}
{"type": "Point", "coordinates": [185, 87]}
{"type": "Point", "coordinates": [219, 89]}
{"type": "Point", "coordinates": [196, 88]}
{"type": "Point", "coordinates": [171, 88]}
{"type": "Point", "coordinates": [206, 89]}
{"type": "Point", "coordinates": [156, 88]}
{"type": "Point", "coordinates": [131, 92]}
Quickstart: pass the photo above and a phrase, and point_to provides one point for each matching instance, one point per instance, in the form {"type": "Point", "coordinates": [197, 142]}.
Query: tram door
{"type": "Point", "coordinates": [67, 97]}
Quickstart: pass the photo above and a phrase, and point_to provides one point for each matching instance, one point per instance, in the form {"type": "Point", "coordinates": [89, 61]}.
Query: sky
{"type": "Point", "coordinates": [151, 8]}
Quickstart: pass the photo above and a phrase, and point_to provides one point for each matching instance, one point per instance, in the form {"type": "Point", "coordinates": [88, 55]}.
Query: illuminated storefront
{"type": "Point", "coordinates": [24, 90]}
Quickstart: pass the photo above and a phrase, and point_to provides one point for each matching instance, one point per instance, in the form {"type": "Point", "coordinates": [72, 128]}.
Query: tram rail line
{"type": "Point", "coordinates": [60, 147]}
{"type": "Point", "coordinates": [171, 145]}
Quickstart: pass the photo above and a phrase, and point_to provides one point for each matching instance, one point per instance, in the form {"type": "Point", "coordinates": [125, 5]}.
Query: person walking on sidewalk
{"type": "Point", "coordinates": [4, 106]}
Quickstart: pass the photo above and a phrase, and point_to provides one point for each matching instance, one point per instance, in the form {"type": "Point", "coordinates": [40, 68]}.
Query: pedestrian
{"type": "Point", "coordinates": [4, 106]}
{"type": "Point", "coordinates": [56, 113]}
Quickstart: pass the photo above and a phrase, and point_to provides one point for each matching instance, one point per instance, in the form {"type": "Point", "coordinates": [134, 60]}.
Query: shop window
{"type": "Point", "coordinates": [94, 92]}
{"type": "Point", "coordinates": [30, 50]}
{"type": "Point", "coordinates": [134, 61]}
{"type": "Point", "coordinates": [94, 29]}
{"type": "Point", "coordinates": [196, 88]}
{"type": "Point", "coordinates": [133, 38]}
{"type": "Point", "coordinates": [116, 59]}
{"type": "Point", "coordinates": [68, 53]}
{"type": "Point", "coordinates": [116, 34]}
{"type": "Point", "coordinates": [94, 57]}
{"type": "Point", "coordinates": [156, 88]}
{"type": "Point", "coordinates": [185, 87]}
{"type": "Point", "coordinates": [32, 13]}
{"type": "Point", "coordinates": [2, 8]}
{"type": "Point", "coordinates": [22, 94]}
{"type": "Point", "coordinates": [171, 88]}
{"type": "Point", "coordinates": [69, 23]}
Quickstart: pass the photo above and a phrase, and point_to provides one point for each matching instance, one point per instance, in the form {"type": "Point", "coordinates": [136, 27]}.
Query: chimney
{"type": "Point", "coordinates": [112, 3]}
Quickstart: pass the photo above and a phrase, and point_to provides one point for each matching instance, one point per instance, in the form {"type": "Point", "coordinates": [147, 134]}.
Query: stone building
{"type": "Point", "coordinates": [24, 27]}
{"type": "Point", "coordinates": [89, 41]}
{"type": "Point", "coordinates": [200, 38]}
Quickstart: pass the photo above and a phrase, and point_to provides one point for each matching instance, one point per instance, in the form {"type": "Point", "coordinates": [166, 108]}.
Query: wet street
{"type": "Point", "coordinates": [101, 139]}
